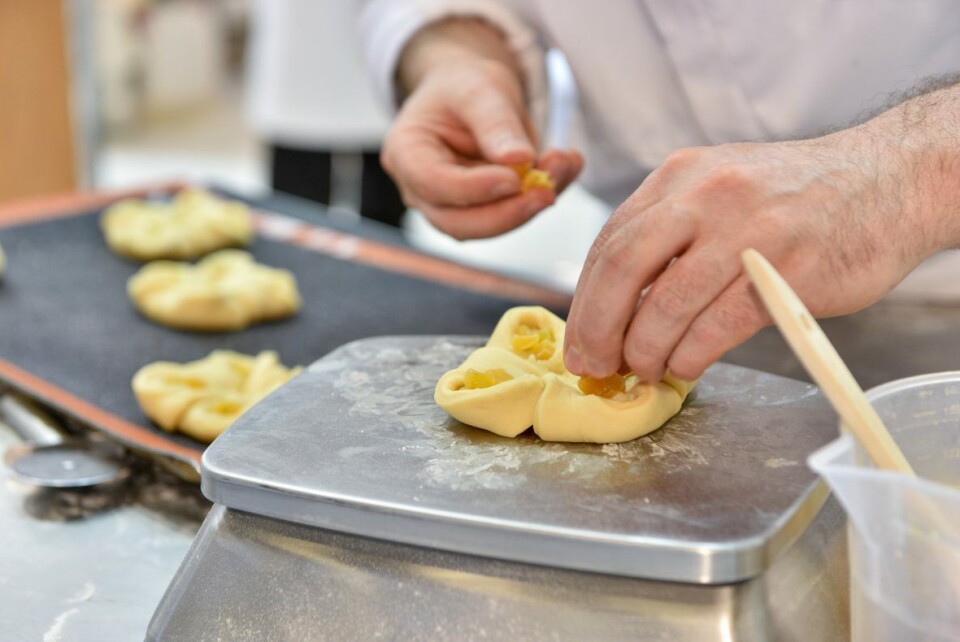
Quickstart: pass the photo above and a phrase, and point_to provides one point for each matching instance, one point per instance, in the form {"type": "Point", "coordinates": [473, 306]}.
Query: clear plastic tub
{"type": "Point", "coordinates": [904, 532]}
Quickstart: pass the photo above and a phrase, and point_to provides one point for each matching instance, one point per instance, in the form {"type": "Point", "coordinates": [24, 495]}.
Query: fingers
{"type": "Point", "coordinates": [499, 123]}
{"type": "Point", "coordinates": [672, 304]}
{"type": "Point", "coordinates": [432, 173]}
{"type": "Point", "coordinates": [629, 254]}
{"type": "Point", "coordinates": [735, 316]}
{"type": "Point", "coordinates": [486, 220]}
{"type": "Point", "coordinates": [563, 165]}
{"type": "Point", "coordinates": [474, 205]}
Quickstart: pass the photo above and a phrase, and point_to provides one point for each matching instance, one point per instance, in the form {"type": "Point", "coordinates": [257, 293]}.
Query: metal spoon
{"type": "Point", "coordinates": [47, 458]}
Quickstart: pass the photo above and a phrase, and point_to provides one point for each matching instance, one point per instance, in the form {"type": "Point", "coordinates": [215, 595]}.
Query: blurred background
{"type": "Point", "coordinates": [247, 95]}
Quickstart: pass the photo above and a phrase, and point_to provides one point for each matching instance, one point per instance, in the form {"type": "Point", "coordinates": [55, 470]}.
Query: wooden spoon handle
{"type": "Point", "coordinates": [823, 363]}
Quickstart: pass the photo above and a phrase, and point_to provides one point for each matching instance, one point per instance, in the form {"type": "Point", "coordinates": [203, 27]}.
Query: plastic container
{"type": "Point", "coordinates": [904, 532]}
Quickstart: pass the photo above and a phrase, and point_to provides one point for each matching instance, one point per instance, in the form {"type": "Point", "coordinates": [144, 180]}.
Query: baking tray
{"type": "Point", "coordinates": [357, 444]}
{"type": "Point", "coordinates": [70, 338]}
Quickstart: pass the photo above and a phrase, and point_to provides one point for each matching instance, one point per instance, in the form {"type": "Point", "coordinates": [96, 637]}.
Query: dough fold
{"type": "Point", "coordinates": [202, 398]}
{"type": "Point", "coordinates": [541, 393]}
{"type": "Point", "coordinates": [192, 225]}
{"type": "Point", "coordinates": [225, 291]}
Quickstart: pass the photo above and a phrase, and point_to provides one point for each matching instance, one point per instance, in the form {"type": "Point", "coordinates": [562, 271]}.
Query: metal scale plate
{"type": "Point", "coordinates": [356, 444]}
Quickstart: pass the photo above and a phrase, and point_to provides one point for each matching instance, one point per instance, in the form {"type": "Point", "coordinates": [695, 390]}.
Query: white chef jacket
{"type": "Point", "coordinates": [306, 83]}
{"type": "Point", "coordinates": [657, 75]}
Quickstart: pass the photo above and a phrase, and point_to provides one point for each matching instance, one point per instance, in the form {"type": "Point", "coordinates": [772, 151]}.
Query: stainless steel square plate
{"type": "Point", "coordinates": [356, 444]}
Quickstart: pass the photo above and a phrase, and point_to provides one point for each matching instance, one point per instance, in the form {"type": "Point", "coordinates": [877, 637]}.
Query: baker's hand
{"type": "Point", "coordinates": [464, 123]}
{"type": "Point", "coordinates": [450, 149]}
{"type": "Point", "coordinates": [663, 286]}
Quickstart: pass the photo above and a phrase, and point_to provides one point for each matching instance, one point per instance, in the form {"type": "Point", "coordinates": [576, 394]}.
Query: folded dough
{"type": "Point", "coordinates": [534, 333]}
{"type": "Point", "coordinates": [506, 408]}
{"type": "Point", "coordinates": [537, 390]}
{"type": "Point", "coordinates": [202, 398]}
{"type": "Point", "coordinates": [225, 291]}
{"type": "Point", "coordinates": [192, 225]}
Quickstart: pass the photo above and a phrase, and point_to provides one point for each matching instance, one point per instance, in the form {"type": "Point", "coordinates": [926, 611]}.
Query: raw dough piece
{"type": "Point", "coordinates": [506, 408]}
{"type": "Point", "coordinates": [202, 398]}
{"type": "Point", "coordinates": [566, 414]}
{"type": "Point", "coordinates": [225, 291]}
{"type": "Point", "coordinates": [531, 178]}
{"type": "Point", "coordinates": [194, 224]}
{"type": "Point", "coordinates": [542, 393]}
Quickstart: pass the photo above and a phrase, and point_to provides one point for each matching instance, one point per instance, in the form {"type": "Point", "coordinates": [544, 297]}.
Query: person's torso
{"type": "Point", "coordinates": [657, 75]}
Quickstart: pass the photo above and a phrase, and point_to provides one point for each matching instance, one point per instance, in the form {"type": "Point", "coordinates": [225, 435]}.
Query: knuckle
{"type": "Point", "coordinates": [640, 355]}
{"type": "Point", "coordinates": [615, 258]}
{"type": "Point", "coordinates": [679, 160]}
{"type": "Point", "coordinates": [669, 301]}
{"type": "Point", "coordinates": [686, 367]}
{"type": "Point", "coordinates": [726, 178]}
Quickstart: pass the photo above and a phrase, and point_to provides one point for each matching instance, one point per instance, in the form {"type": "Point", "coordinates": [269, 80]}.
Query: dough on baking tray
{"type": "Point", "coordinates": [192, 225]}
{"type": "Point", "coordinates": [225, 291]}
{"type": "Point", "coordinates": [518, 380]}
{"type": "Point", "coordinates": [202, 398]}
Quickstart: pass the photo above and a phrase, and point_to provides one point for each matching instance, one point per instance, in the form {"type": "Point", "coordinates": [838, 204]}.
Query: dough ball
{"type": "Point", "coordinates": [202, 398]}
{"type": "Point", "coordinates": [518, 380]}
{"type": "Point", "coordinates": [225, 291]}
{"type": "Point", "coordinates": [192, 225]}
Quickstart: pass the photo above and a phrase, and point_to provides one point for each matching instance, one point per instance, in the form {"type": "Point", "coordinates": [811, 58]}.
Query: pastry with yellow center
{"type": "Point", "coordinates": [533, 333]}
{"type": "Point", "coordinates": [494, 389]}
{"type": "Point", "coordinates": [192, 225]}
{"type": "Point", "coordinates": [619, 408]}
{"type": "Point", "coordinates": [225, 291]}
{"type": "Point", "coordinates": [202, 398]}
{"type": "Point", "coordinates": [518, 380]}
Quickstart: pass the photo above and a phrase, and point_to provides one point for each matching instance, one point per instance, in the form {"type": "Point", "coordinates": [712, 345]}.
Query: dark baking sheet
{"type": "Point", "coordinates": [65, 318]}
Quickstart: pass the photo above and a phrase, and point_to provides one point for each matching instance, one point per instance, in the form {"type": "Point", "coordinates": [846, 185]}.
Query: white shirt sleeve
{"type": "Point", "coordinates": [387, 25]}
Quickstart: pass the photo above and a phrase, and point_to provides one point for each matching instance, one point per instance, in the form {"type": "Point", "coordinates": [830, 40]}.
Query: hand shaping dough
{"type": "Point", "coordinates": [518, 380]}
{"type": "Point", "coordinates": [194, 224]}
{"type": "Point", "coordinates": [202, 398]}
{"type": "Point", "coordinates": [225, 291]}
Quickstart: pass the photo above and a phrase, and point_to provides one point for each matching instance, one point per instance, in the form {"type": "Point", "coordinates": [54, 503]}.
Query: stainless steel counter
{"type": "Point", "coordinates": [81, 566]}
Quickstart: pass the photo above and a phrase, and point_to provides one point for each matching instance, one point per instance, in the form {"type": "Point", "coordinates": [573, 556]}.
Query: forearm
{"type": "Point", "coordinates": [921, 137]}
{"type": "Point", "coordinates": [452, 41]}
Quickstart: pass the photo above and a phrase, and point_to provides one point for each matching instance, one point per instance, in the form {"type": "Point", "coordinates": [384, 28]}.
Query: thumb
{"type": "Point", "coordinates": [498, 124]}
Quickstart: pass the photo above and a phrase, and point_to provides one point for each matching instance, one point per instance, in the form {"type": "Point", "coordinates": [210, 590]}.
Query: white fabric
{"type": "Point", "coordinates": [657, 75]}
{"type": "Point", "coordinates": [307, 86]}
